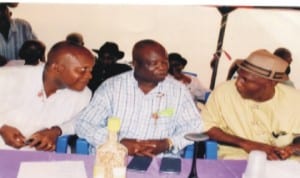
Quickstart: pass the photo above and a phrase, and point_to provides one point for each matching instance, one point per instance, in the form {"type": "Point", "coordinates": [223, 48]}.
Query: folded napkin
{"type": "Point", "coordinates": [259, 167]}
{"type": "Point", "coordinates": [280, 169]}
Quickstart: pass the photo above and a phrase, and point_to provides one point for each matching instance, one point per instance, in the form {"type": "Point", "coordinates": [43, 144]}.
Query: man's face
{"type": "Point", "coordinates": [76, 71]}
{"type": "Point", "coordinates": [251, 86]}
{"type": "Point", "coordinates": [152, 65]}
{"type": "Point", "coordinates": [175, 67]}
{"type": "Point", "coordinates": [107, 58]}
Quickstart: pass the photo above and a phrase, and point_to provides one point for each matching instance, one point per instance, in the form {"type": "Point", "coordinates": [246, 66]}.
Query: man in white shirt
{"type": "Point", "coordinates": [38, 102]}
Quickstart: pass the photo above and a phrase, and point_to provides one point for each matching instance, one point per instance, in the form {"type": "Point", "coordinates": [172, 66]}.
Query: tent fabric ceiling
{"type": "Point", "coordinates": [191, 30]}
{"type": "Point", "coordinates": [225, 12]}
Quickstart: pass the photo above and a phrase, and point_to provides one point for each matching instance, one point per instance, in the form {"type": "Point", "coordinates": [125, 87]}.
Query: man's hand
{"type": "Point", "coordinates": [12, 136]}
{"type": "Point", "coordinates": [288, 151]}
{"type": "Point", "coordinates": [273, 153]}
{"type": "Point", "coordinates": [45, 139]}
{"type": "Point", "coordinates": [145, 147]}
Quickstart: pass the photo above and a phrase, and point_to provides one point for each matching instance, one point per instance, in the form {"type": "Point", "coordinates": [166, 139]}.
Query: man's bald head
{"type": "Point", "coordinates": [138, 48]}
{"type": "Point", "coordinates": [65, 48]}
{"type": "Point", "coordinates": [68, 66]}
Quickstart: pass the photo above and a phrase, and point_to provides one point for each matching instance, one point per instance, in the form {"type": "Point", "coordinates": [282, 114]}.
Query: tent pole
{"type": "Point", "coordinates": [218, 52]}
{"type": "Point", "coordinates": [224, 10]}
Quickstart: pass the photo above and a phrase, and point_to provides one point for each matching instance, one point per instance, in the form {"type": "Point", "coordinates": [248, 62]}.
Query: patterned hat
{"type": "Point", "coordinates": [264, 64]}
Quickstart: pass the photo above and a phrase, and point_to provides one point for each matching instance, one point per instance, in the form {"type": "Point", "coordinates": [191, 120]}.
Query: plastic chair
{"type": "Point", "coordinates": [82, 146]}
{"type": "Point", "coordinates": [190, 73]}
{"type": "Point", "coordinates": [210, 146]}
{"type": "Point", "coordinates": [62, 144]}
{"type": "Point", "coordinates": [211, 150]}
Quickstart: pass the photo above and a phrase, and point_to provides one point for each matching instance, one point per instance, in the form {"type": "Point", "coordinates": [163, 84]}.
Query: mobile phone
{"type": "Point", "coordinates": [27, 142]}
{"type": "Point", "coordinates": [170, 165]}
{"type": "Point", "coordinates": [139, 163]}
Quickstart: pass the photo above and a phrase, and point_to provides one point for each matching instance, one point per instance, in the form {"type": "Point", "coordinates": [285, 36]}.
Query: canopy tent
{"type": "Point", "coordinates": [225, 11]}
{"type": "Point", "coordinates": [191, 30]}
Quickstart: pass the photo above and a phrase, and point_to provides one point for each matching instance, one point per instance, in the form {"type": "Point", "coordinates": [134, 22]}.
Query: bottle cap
{"type": "Point", "coordinates": [114, 124]}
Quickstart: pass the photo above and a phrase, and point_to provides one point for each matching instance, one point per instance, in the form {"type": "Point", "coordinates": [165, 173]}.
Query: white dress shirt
{"type": "Point", "coordinates": [25, 106]}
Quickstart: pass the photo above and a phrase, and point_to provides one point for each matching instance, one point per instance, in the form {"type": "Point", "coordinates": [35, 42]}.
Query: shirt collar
{"type": "Point", "coordinates": [158, 90]}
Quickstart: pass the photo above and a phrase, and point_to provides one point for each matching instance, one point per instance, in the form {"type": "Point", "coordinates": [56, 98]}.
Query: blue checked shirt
{"type": "Point", "coordinates": [20, 31]}
{"type": "Point", "coordinates": [120, 96]}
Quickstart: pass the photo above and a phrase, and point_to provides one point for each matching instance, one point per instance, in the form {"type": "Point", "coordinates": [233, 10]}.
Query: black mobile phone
{"type": "Point", "coordinates": [170, 165]}
{"type": "Point", "coordinates": [27, 142]}
{"type": "Point", "coordinates": [139, 163]}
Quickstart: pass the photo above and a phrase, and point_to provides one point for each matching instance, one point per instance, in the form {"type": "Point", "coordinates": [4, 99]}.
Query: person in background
{"type": "Point", "coordinates": [38, 102]}
{"type": "Point", "coordinates": [106, 64]}
{"type": "Point", "coordinates": [255, 111]}
{"type": "Point", "coordinates": [232, 70]}
{"type": "Point", "coordinates": [32, 52]}
{"type": "Point", "coordinates": [286, 55]}
{"type": "Point", "coordinates": [177, 64]}
{"type": "Point", "coordinates": [156, 111]}
{"type": "Point", "coordinates": [76, 38]}
{"type": "Point", "coordinates": [13, 32]}
{"type": "Point", "coordinates": [283, 53]}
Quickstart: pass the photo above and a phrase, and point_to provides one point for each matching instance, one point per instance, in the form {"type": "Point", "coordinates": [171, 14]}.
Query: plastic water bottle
{"type": "Point", "coordinates": [111, 157]}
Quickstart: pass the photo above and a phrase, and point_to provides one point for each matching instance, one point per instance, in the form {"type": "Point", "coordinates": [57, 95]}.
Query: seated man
{"type": "Point", "coordinates": [33, 52]}
{"type": "Point", "coordinates": [255, 111]}
{"type": "Point", "coordinates": [106, 64]}
{"type": "Point", "coordinates": [156, 111]}
{"type": "Point", "coordinates": [286, 55]}
{"type": "Point", "coordinates": [38, 103]}
{"type": "Point", "coordinates": [76, 38]}
{"type": "Point", "coordinates": [177, 64]}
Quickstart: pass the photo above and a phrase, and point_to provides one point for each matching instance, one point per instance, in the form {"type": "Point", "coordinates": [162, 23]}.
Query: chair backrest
{"type": "Point", "coordinates": [206, 96]}
{"type": "Point", "coordinates": [210, 152]}
{"type": "Point", "coordinates": [190, 73]}
{"type": "Point", "coordinates": [62, 144]}
{"type": "Point", "coordinates": [210, 146]}
{"type": "Point", "coordinates": [211, 149]}
{"type": "Point", "coordinates": [82, 147]}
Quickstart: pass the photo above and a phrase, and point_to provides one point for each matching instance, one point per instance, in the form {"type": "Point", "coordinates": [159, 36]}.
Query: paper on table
{"type": "Point", "coordinates": [286, 169]}
{"type": "Point", "coordinates": [57, 169]}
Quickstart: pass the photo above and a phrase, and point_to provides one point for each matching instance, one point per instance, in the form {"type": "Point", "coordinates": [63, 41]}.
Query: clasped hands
{"type": "Point", "coordinates": [44, 139]}
{"type": "Point", "coordinates": [148, 148]}
{"type": "Point", "coordinates": [273, 152]}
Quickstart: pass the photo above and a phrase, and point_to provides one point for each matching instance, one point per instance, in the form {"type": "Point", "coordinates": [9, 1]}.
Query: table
{"type": "Point", "coordinates": [10, 161]}
{"type": "Point", "coordinates": [205, 169]}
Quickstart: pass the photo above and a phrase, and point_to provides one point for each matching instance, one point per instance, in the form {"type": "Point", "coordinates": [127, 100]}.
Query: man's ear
{"type": "Point", "coordinates": [57, 67]}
